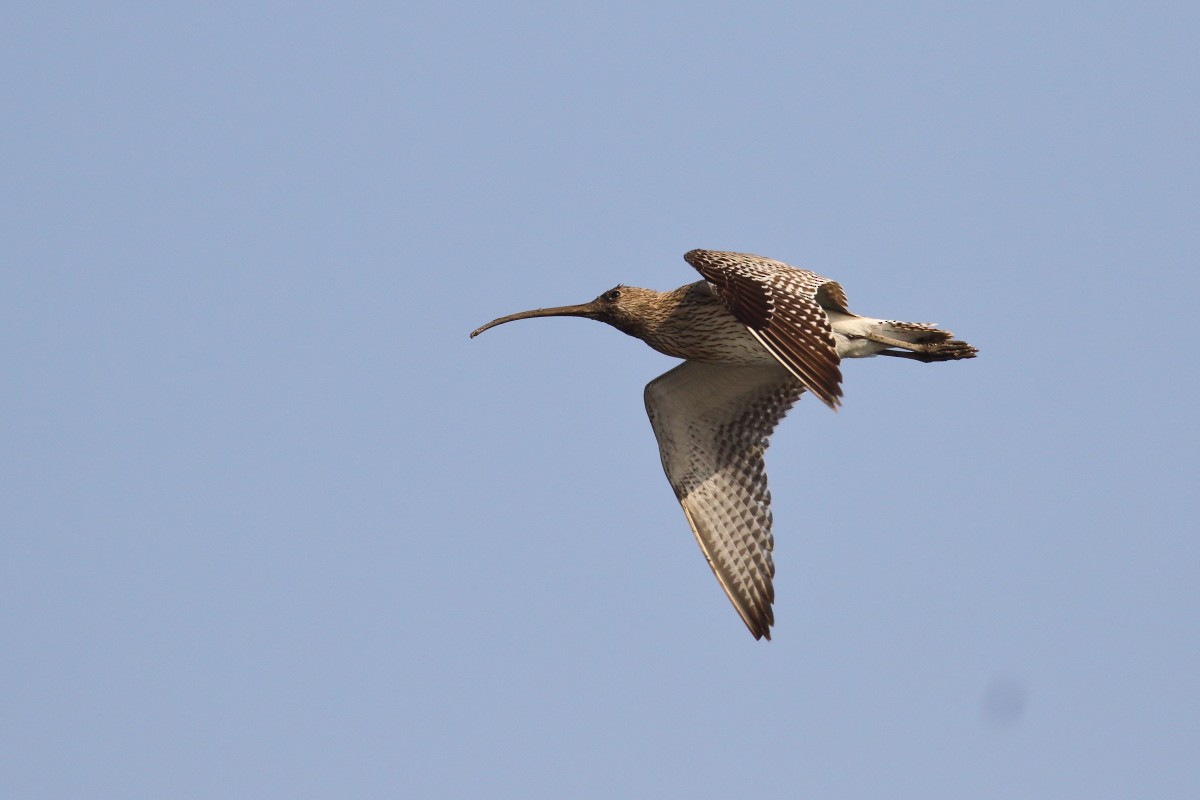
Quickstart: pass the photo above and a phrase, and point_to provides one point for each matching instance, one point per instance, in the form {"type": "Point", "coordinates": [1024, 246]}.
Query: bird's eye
{"type": "Point", "coordinates": [612, 295]}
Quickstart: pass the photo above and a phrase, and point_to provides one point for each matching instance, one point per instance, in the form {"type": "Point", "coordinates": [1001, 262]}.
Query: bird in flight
{"type": "Point", "coordinates": [754, 333]}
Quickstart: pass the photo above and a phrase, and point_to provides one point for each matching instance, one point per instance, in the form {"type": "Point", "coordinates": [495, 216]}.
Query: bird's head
{"type": "Point", "coordinates": [624, 307]}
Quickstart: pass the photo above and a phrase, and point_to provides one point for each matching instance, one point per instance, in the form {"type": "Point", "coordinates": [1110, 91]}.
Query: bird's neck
{"type": "Point", "coordinates": [668, 324]}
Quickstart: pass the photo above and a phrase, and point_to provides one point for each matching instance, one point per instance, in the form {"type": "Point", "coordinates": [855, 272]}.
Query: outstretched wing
{"type": "Point", "coordinates": [779, 305]}
{"type": "Point", "coordinates": [712, 422]}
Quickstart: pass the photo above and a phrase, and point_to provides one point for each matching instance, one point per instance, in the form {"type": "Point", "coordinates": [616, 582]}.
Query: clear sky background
{"type": "Point", "coordinates": [273, 526]}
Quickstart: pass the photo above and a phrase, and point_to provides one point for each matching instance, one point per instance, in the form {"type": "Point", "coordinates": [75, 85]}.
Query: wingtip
{"type": "Point", "coordinates": [698, 257]}
{"type": "Point", "coordinates": [759, 629]}
{"type": "Point", "coordinates": [832, 399]}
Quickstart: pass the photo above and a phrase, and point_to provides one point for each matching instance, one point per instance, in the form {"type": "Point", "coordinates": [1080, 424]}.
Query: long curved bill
{"type": "Point", "coordinates": [581, 310]}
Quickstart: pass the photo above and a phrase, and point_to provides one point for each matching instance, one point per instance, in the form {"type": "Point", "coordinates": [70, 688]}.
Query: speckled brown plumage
{"type": "Point", "coordinates": [712, 422]}
{"type": "Point", "coordinates": [755, 333]}
{"type": "Point", "coordinates": [778, 305]}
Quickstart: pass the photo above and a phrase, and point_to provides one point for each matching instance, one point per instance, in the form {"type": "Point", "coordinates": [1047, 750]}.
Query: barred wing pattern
{"type": "Point", "coordinates": [778, 305]}
{"type": "Point", "coordinates": [712, 422]}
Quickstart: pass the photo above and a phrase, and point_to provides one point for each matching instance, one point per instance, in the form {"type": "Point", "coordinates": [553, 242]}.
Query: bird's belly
{"type": "Point", "coordinates": [855, 346]}
{"type": "Point", "coordinates": [716, 338]}
{"type": "Point", "coordinates": [848, 333]}
{"type": "Point", "coordinates": [743, 349]}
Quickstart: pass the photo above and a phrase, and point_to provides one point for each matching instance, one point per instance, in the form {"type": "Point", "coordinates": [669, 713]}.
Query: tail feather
{"type": "Point", "coordinates": [935, 344]}
{"type": "Point", "coordinates": [862, 337]}
{"type": "Point", "coordinates": [919, 332]}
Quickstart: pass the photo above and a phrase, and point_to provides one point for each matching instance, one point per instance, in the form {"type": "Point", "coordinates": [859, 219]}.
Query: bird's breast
{"type": "Point", "coordinates": [707, 332]}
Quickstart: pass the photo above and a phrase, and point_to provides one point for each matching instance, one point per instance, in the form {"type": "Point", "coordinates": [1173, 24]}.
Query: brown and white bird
{"type": "Point", "coordinates": [755, 334]}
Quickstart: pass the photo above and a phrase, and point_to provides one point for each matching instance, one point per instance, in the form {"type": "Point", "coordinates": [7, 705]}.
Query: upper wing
{"type": "Point", "coordinates": [779, 305]}
{"type": "Point", "coordinates": [712, 422]}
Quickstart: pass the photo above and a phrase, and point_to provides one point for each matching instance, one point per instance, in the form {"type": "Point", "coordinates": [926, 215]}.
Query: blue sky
{"type": "Point", "coordinates": [273, 526]}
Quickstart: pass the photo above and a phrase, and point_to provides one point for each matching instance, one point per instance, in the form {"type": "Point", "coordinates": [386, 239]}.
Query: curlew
{"type": "Point", "coordinates": [754, 333]}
